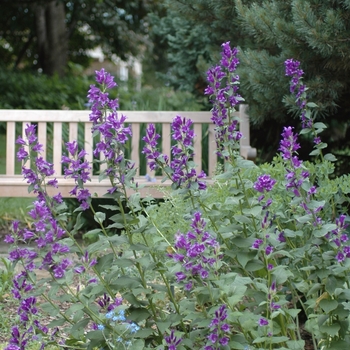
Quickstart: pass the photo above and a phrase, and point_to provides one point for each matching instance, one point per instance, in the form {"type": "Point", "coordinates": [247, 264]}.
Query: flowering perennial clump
{"type": "Point", "coordinates": [109, 125]}
{"type": "Point", "coordinates": [197, 251]}
{"type": "Point", "coordinates": [222, 89]}
{"type": "Point", "coordinates": [180, 169]}
{"type": "Point", "coordinates": [219, 330]}
{"type": "Point", "coordinates": [248, 271]}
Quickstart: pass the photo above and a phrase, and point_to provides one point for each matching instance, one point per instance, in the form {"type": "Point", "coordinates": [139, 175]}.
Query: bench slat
{"type": "Point", "coordinates": [10, 148]}
{"type": "Point", "coordinates": [197, 128]}
{"type": "Point", "coordinates": [88, 144]}
{"type": "Point", "coordinates": [211, 150]}
{"type": "Point", "coordinates": [57, 147]}
{"type": "Point", "coordinates": [42, 137]}
{"type": "Point", "coordinates": [135, 145]}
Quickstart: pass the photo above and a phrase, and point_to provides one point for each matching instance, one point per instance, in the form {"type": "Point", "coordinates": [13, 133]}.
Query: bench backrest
{"type": "Point", "coordinates": [61, 120]}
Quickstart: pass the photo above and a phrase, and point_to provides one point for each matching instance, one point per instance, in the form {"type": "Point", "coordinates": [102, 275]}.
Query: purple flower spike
{"type": "Point", "coordinates": [263, 322]}
{"type": "Point", "coordinates": [172, 341]}
{"type": "Point", "coordinates": [224, 97]}
{"type": "Point", "coordinates": [218, 329]}
{"type": "Point", "coordinates": [264, 183]}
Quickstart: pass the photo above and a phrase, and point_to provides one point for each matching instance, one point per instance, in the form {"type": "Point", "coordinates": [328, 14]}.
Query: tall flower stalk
{"type": "Point", "coordinates": [223, 92]}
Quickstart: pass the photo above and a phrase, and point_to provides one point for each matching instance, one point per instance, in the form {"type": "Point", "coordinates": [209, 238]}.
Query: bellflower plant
{"type": "Point", "coordinates": [257, 258]}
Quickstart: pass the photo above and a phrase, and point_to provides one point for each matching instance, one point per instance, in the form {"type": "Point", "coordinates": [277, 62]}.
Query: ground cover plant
{"type": "Point", "coordinates": [255, 259]}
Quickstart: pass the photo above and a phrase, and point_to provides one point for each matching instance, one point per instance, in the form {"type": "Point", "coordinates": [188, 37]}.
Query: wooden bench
{"type": "Point", "coordinates": [69, 125]}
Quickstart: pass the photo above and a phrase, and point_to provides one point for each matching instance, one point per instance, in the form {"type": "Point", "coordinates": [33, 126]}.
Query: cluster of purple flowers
{"type": "Point", "coordinates": [339, 237]}
{"type": "Point", "coordinates": [29, 326]}
{"type": "Point", "coordinates": [219, 329]}
{"type": "Point", "coordinates": [264, 184]}
{"type": "Point", "coordinates": [110, 126]}
{"type": "Point", "coordinates": [36, 177]}
{"type": "Point", "coordinates": [292, 69]}
{"type": "Point", "coordinates": [46, 233]}
{"type": "Point", "coordinates": [172, 341]}
{"type": "Point", "coordinates": [296, 176]}
{"type": "Point", "coordinates": [271, 296]}
{"type": "Point", "coordinates": [222, 89]}
{"type": "Point", "coordinates": [182, 170]}
{"type": "Point", "coordinates": [107, 304]}
{"type": "Point", "coordinates": [78, 168]}
{"type": "Point", "coordinates": [197, 251]}
{"type": "Point", "coordinates": [86, 264]}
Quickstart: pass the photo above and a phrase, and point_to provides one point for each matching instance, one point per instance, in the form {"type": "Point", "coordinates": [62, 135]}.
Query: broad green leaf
{"type": "Point", "coordinates": [163, 325]}
{"type": "Point", "coordinates": [100, 217]}
{"type": "Point", "coordinates": [331, 330]}
{"type": "Point", "coordinates": [328, 305]}
{"type": "Point", "coordinates": [138, 315]}
{"type": "Point", "coordinates": [330, 157]}
{"type": "Point", "coordinates": [127, 282]}
{"type": "Point", "coordinates": [79, 328]}
{"type": "Point", "coordinates": [296, 344]}
{"type": "Point", "coordinates": [104, 262]}
{"type": "Point", "coordinates": [138, 344]}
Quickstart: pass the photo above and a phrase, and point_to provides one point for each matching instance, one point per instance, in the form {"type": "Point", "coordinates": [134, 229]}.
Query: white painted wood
{"type": "Point", "coordinates": [135, 142]}
{"type": "Point", "coordinates": [57, 148]}
{"type": "Point", "coordinates": [10, 147]}
{"type": "Point", "coordinates": [42, 137]}
{"type": "Point", "coordinates": [197, 128]}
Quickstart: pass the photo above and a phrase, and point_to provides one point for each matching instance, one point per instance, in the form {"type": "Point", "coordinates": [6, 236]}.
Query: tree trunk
{"type": "Point", "coordinates": [52, 37]}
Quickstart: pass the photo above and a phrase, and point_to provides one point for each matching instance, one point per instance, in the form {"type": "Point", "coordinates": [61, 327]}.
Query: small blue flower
{"type": "Point", "coordinates": [101, 327]}
{"type": "Point", "coordinates": [110, 314]}
{"type": "Point", "coordinates": [133, 327]}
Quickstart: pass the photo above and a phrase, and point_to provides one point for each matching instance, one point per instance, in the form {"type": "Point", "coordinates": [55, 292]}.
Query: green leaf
{"type": "Point", "coordinates": [104, 262]}
{"type": "Point", "coordinates": [49, 309]}
{"type": "Point", "coordinates": [339, 345]}
{"type": "Point", "coordinates": [144, 333]}
{"type": "Point", "coordinates": [244, 257]}
{"type": "Point", "coordinates": [163, 325]}
{"type": "Point", "coordinates": [312, 105]}
{"type": "Point", "coordinates": [74, 308]}
{"type": "Point", "coordinates": [282, 274]}
{"type": "Point", "coordinates": [94, 335]}
{"type": "Point", "coordinates": [139, 247]}
{"type": "Point", "coordinates": [127, 282]}
{"type": "Point", "coordinates": [328, 305]}
{"type": "Point", "coordinates": [138, 314]}
{"type": "Point", "coordinates": [304, 131]}
{"type": "Point", "coordinates": [330, 157]}
{"type": "Point", "coordinates": [331, 330]}
{"type": "Point", "coordinates": [110, 207]}
{"type": "Point", "coordinates": [234, 299]}
{"type": "Point", "coordinates": [296, 344]}
{"type": "Point", "coordinates": [100, 217]}
{"type": "Point", "coordinates": [242, 219]}
{"type": "Point", "coordinates": [236, 346]}
{"type": "Point", "coordinates": [254, 265]}
{"type": "Point", "coordinates": [79, 328]}
{"type": "Point", "coordinates": [255, 211]}
{"type": "Point", "coordinates": [56, 323]}
{"type": "Point", "coordinates": [124, 262]}
{"type": "Point", "coordinates": [138, 344]}
{"type": "Point", "coordinates": [315, 152]}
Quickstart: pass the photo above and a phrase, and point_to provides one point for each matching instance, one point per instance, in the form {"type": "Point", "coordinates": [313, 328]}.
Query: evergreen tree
{"type": "Point", "coordinates": [315, 32]}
